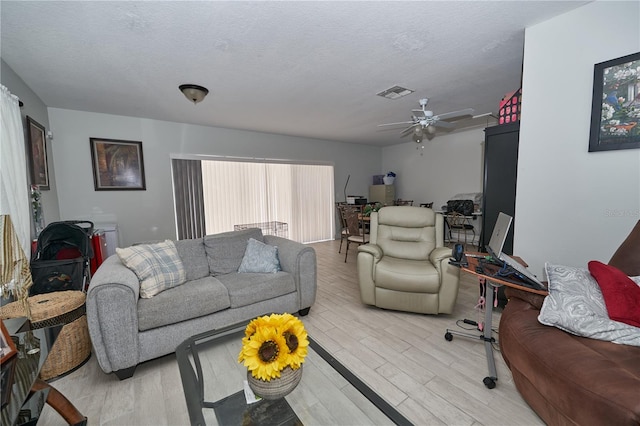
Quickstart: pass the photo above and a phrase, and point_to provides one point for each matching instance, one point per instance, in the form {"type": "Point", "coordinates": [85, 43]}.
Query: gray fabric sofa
{"type": "Point", "coordinates": [126, 330]}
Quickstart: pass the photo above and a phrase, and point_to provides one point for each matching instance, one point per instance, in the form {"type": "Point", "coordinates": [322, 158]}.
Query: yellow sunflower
{"type": "Point", "coordinates": [263, 353]}
{"type": "Point", "coordinates": [255, 324]}
{"type": "Point", "coordinates": [296, 338]}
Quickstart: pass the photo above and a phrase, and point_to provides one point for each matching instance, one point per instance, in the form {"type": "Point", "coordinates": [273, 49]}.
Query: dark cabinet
{"type": "Point", "coordinates": [500, 176]}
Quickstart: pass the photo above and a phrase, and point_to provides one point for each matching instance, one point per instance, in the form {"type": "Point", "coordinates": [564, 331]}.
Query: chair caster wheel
{"type": "Point", "coordinates": [448, 336]}
{"type": "Point", "coordinates": [489, 382]}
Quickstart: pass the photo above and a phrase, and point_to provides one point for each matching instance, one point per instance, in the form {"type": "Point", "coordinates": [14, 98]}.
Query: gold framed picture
{"type": "Point", "coordinates": [118, 165]}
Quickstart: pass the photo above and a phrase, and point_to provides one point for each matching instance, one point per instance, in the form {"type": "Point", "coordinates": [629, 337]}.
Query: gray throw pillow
{"type": "Point", "coordinates": [575, 304]}
{"type": "Point", "coordinates": [260, 258]}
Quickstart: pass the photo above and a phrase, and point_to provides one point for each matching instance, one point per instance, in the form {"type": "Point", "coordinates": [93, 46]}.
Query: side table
{"type": "Point", "coordinates": [73, 346]}
{"type": "Point", "coordinates": [28, 392]}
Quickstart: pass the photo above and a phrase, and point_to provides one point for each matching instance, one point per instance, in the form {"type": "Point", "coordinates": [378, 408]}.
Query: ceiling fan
{"type": "Point", "coordinates": [424, 123]}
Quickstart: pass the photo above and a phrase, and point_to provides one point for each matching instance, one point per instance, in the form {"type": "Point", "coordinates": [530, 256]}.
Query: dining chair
{"type": "Point", "coordinates": [344, 232]}
{"type": "Point", "coordinates": [427, 205]}
{"type": "Point", "coordinates": [401, 202]}
{"type": "Point", "coordinates": [355, 228]}
{"type": "Point", "coordinates": [462, 225]}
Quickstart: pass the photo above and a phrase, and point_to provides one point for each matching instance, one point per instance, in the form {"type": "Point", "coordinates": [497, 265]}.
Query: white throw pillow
{"type": "Point", "coordinates": [260, 258]}
{"type": "Point", "coordinates": [157, 266]}
{"type": "Point", "coordinates": [575, 304]}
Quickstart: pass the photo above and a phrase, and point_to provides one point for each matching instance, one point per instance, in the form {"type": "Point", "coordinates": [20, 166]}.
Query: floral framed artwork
{"type": "Point", "coordinates": [615, 109]}
{"type": "Point", "coordinates": [37, 143]}
{"type": "Point", "coordinates": [117, 165]}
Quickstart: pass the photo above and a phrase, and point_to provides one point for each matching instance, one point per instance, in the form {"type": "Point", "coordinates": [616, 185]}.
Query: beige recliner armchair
{"type": "Point", "coordinates": [405, 266]}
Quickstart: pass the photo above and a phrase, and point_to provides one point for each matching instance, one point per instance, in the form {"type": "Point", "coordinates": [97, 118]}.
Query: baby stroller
{"type": "Point", "coordinates": [62, 257]}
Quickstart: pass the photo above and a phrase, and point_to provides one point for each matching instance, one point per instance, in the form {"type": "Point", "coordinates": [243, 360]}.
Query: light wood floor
{"type": "Point", "coordinates": [402, 356]}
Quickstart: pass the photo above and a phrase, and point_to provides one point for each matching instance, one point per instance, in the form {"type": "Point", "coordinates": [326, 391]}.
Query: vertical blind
{"type": "Point", "coordinates": [187, 192]}
{"type": "Point", "coordinates": [298, 197]}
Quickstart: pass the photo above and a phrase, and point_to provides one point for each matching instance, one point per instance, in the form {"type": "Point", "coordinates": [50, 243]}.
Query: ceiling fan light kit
{"type": "Point", "coordinates": [193, 92]}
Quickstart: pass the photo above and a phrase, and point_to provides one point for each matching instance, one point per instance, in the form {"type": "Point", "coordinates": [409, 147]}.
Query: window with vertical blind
{"type": "Point", "coordinates": [291, 200]}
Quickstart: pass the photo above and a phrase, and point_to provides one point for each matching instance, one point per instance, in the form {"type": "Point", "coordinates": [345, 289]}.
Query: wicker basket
{"type": "Point", "coordinates": [73, 345]}
{"type": "Point", "coordinates": [276, 388]}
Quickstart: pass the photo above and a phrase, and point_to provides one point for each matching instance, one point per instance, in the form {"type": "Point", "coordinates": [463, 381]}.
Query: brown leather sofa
{"type": "Point", "coordinates": [568, 379]}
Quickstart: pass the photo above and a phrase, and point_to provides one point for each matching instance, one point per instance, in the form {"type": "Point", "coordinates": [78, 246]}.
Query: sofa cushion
{"type": "Point", "coordinates": [193, 299]}
{"type": "Point", "coordinates": [225, 251]}
{"type": "Point", "coordinates": [260, 257]}
{"type": "Point", "coordinates": [245, 289]}
{"type": "Point", "coordinates": [575, 304]}
{"type": "Point", "coordinates": [407, 275]}
{"type": "Point", "coordinates": [157, 266]}
{"type": "Point", "coordinates": [194, 258]}
{"type": "Point", "coordinates": [621, 294]}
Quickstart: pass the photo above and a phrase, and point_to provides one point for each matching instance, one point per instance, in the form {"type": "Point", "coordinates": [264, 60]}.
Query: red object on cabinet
{"type": "Point", "coordinates": [99, 244]}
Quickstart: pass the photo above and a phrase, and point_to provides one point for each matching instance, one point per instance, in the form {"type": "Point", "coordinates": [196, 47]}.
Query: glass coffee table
{"type": "Point", "coordinates": [327, 394]}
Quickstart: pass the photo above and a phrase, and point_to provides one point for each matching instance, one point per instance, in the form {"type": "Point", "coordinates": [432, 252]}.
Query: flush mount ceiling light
{"type": "Point", "coordinates": [193, 92]}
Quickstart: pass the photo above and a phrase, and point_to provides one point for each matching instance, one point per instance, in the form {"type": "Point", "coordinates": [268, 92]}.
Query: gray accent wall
{"type": "Point", "coordinates": [149, 215]}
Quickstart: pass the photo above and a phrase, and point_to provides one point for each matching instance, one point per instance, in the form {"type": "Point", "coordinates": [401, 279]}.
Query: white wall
{"type": "Point", "coordinates": [573, 206]}
{"type": "Point", "coordinates": [449, 164]}
{"type": "Point", "coordinates": [149, 215]}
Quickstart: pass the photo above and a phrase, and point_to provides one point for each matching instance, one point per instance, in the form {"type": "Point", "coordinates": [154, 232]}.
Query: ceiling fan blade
{"type": "Point", "coordinates": [395, 124]}
{"type": "Point", "coordinates": [455, 114]}
{"type": "Point", "coordinates": [444, 125]}
{"type": "Point", "coordinates": [486, 114]}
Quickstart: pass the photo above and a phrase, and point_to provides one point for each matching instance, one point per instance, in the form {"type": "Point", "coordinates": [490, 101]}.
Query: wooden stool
{"type": "Point", "coordinates": [73, 346]}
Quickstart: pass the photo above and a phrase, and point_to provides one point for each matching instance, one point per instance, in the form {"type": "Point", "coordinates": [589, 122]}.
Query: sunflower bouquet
{"type": "Point", "coordinates": [273, 343]}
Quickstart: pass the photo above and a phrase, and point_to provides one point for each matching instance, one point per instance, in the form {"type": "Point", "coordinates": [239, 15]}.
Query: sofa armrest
{"type": "Point", "coordinates": [449, 278]}
{"type": "Point", "coordinates": [372, 249]}
{"type": "Point", "coordinates": [368, 256]}
{"type": "Point", "coordinates": [112, 315]}
{"type": "Point", "coordinates": [300, 261]}
{"type": "Point", "coordinates": [438, 255]}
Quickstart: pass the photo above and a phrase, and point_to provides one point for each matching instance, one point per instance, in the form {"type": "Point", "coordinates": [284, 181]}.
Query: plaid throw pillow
{"type": "Point", "coordinates": [157, 266]}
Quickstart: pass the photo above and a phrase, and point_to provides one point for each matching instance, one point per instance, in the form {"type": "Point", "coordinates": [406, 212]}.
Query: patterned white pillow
{"type": "Point", "coordinates": [157, 266]}
{"type": "Point", "coordinates": [575, 304]}
{"type": "Point", "coordinates": [260, 257]}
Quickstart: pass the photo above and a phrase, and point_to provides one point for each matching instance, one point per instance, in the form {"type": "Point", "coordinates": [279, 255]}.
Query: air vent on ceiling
{"type": "Point", "coordinates": [395, 92]}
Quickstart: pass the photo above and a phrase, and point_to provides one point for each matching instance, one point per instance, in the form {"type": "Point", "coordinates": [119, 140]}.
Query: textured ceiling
{"type": "Point", "coordinates": [307, 69]}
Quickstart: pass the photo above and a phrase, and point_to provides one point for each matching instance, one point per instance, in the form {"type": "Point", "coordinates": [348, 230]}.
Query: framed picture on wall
{"type": "Point", "coordinates": [37, 143]}
{"type": "Point", "coordinates": [615, 108]}
{"type": "Point", "coordinates": [117, 165]}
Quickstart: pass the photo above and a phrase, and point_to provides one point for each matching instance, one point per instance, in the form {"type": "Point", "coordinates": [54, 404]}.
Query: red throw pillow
{"type": "Point", "coordinates": [621, 294]}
